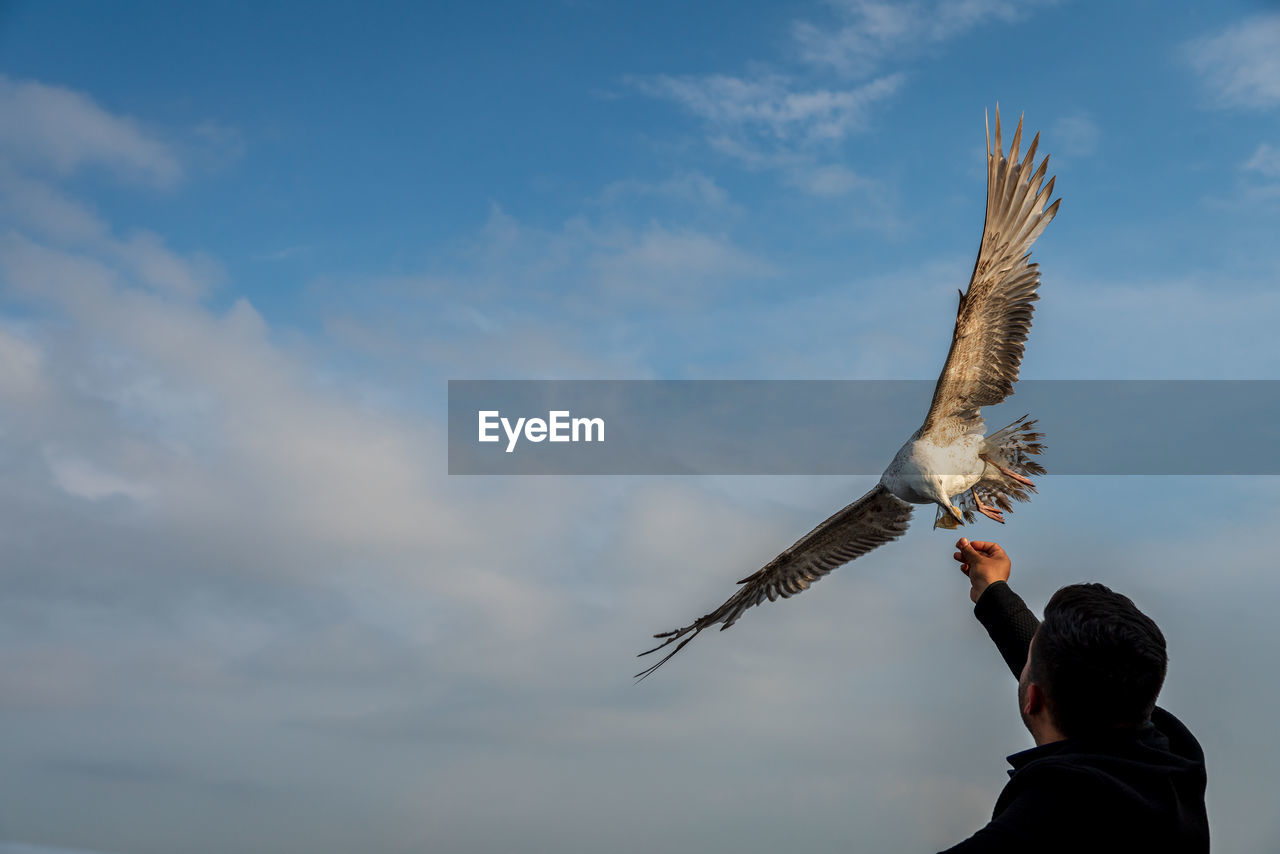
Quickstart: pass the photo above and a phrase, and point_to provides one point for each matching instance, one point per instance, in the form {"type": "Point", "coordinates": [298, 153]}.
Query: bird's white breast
{"type": "Point", "coordinates": [923, 471]}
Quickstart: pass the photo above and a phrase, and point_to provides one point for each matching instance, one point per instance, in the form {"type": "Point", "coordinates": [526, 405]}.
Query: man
{"type": "Point", "coordinates": [1111, 771]}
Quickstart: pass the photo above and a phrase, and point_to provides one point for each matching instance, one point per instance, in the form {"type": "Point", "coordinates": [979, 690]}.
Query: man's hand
{"type": "Point", "coordinates": [983, 563]}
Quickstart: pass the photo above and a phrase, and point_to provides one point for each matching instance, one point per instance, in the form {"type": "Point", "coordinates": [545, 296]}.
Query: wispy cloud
{"type": "Point", "coordinates": [284, 253]}
{"type": "Point", "coordinates": [774, 122]}
{"type": "Point", "coordinates": [657, 258]}
{"type": "Point", "coordinates": [868, 34]}
{"type": "Point", "coordinates": [773, 105]}
{"type": "Point", "coordinates": [40, 208]}
{"type": "Point", "coordinates": [61, 130]}
{"type": "Point", "coordinates": [830, 180]}
{"type": "Point", "coordinates": [46, 134]}
{"type": "Point", "coordinates": [689, 187]}
{"type": "Point", "coordinates": [613, 283]}
{"type": "Point", "coordinates": [1241, 65]}
{"type": "Point", "coordinates": [1076, 135]}
{"type": "Point", "coordinates": [1265, 161]}
{"type": "Point", "coordinates": [793, 122]}
{"type": "Point", "coordinates": [1259, 182]}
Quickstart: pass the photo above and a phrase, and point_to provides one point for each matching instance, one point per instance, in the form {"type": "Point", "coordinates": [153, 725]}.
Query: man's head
{"type": "Point", "coordinates": [1096, 664]}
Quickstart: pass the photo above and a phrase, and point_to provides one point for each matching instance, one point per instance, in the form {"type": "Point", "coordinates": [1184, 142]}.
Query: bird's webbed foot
{"type": "Point", "coordinates": [991, 512]}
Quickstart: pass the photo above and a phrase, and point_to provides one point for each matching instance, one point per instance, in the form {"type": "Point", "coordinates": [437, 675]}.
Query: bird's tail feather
{"type": "Point", "coordinates": [1005, 451]}
{"type": "Point", "coordinates": [1013, 447]}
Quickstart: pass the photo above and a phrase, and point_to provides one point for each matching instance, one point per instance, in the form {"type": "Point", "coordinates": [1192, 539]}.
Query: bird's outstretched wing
{"type": "Point", "coordinates": [994, 316]}
{"type": "Point", "coordinates": [873, 520]}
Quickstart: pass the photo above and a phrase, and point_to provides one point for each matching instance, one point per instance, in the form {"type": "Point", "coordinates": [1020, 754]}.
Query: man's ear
{"type": "Point", "coordinates": [1034, 702]}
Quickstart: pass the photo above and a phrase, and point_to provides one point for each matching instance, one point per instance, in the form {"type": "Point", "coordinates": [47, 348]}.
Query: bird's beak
{"type": "Point", "coordinates": [950, 522]}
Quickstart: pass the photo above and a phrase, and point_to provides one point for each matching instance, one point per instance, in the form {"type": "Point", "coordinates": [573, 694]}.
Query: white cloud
{"type": "Point", "coordinates": [38, 207]}
{"type": "Point", "coordinates": [656, 259]}
{"type": "Point", "coordinates": [1241, 64]}
{"type": "Point", "coordinates": [198, 381]}
{"type": "Point", "coordinates": [773, 122]}
{"type": "Point", "coordinates": [20, 369]}
{"type": "Point", "coordinates": [213, 145]}
{"type": "Point", "coordinates": [833, 180]}
{"type": "Point", "coordinates": [485, 310]}
{"type": "Point", "coordinates": [57, 129]}
{"type": "Point", "coordinates": [285, 253]}
{"type": "Point", "coordinates": [50, 131]}
{"type": "Point", "coordinates": [595, 266]}
{"type": "Point", "coordinates": [1076, 135]}
{"type": "Point", "coordinates": [1265, 161]}
{"type": "Point", "coordinates": [162, 269]}
{"type": "Point", "coordinates": [773, 105]}
{"type": "Point", "coordinates": [871, 33]}
{"type": "Point", "coordinates": [792, 124]}
{"type": "Point", "coordinates": [46, 210]}
{"type": "Point", "coordinates": [85, 480]}
{"type": "Point", "coordinates": [691, 187]}
{"type": "Point", "coordinates": [1151, 329]}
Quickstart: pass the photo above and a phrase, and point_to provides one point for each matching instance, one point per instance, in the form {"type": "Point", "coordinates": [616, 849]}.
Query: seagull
{"type": "Point", "coordinates": [949, 461]}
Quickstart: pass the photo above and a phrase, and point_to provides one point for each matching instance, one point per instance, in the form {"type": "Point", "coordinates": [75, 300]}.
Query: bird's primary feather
{"type": "Point", "coordinates": [994, 316]}
{"type": "Point", "coordinates": [873, 520]}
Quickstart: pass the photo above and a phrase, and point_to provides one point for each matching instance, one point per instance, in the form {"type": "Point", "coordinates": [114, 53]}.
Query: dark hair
{"type": "Point", "coordinates": [1099, 660]}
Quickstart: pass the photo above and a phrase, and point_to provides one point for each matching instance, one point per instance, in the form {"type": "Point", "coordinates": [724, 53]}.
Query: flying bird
{"type": "Point", "coordinates": [949, 461]}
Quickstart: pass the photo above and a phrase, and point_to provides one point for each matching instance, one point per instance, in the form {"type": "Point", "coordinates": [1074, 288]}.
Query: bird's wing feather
{"type": "Point", "coordinates": [994, 316]}
{"type": "Point", "coordinates": [873, 520]}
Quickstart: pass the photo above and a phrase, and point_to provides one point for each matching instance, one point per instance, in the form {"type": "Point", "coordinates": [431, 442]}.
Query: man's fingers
{"type": "Point", "coordinates": [990, 549]}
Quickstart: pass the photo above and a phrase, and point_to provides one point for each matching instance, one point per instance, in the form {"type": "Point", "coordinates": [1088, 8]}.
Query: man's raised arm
{"type": "Point", "coordinates": [1006, 617]}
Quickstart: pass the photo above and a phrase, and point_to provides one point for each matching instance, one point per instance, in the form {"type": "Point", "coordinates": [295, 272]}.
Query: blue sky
{"type": "Point", "coordinates": [244, 247]}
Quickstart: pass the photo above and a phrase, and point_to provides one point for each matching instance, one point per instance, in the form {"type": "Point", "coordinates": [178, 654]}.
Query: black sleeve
{"type": "Point", "coordinates": [1009, 622]}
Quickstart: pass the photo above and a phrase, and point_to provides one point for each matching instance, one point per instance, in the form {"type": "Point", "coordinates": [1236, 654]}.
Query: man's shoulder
{"type": "Point", "coordinates": [1075, 775]}
{"type": "Point", "coordinates": [1133, 781]}
{"type": "Point", "coordinates": [1163, 748]}
{"type": "Point", "coordinates": [1180, 739]}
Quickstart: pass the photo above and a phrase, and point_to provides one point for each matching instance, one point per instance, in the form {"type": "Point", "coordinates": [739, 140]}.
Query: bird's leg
{"type": "Point", "coordinates": [1013, 474]}
{"type": "Point", "coordinates": [990, 512]}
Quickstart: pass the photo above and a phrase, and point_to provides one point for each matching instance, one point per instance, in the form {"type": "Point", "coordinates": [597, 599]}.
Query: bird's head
{"type": "Point", "coordinates": [949, 517]}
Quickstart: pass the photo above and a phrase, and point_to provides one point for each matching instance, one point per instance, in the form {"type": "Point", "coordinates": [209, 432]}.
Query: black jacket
{"type": "Point", "coordinates": [1127, 791]}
